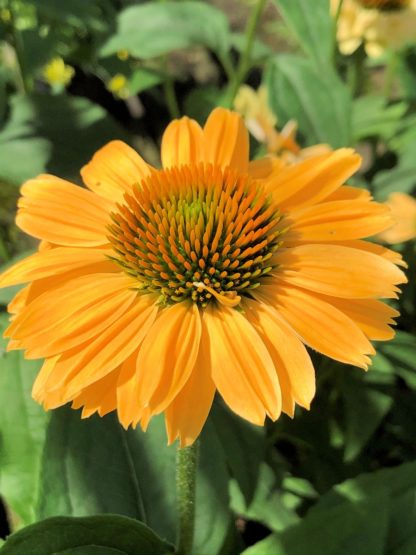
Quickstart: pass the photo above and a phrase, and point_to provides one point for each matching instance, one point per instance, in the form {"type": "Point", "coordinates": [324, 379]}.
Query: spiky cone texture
{"type": "Point", "coordinates": [153, 289]}
{"type": "Point", "coordinates": [378, 24]}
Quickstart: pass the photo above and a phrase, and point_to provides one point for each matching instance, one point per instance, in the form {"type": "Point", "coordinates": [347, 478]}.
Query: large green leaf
{"type": "Point", "coordinates": [318, 100]}
{"type": "Point", "coordinates": [97, 535]}
{"type": "Point", "coordinates": [52, 133]}
{"type": "Point", "coordinates": [22, 432]}
{"type": "Point", "coordinates": [373, 118]}
{"type": "Point", "coordinates": [313, 27]}
{"type": "Point", "coordinates": [139, 472]}
{"type": "Point", "coordinates": [153, 29]}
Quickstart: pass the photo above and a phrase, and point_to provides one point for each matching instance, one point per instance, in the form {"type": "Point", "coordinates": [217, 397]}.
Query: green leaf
{"type": "Point", "coordinates": [365, 408]}
{"type": "Point", "coordinates": [153, 29]}
{"type": "Point", "coordinates": [313, 27]}
{"type": "Point", "coordinates": [143, 79]}
{"type": "Point", "coordinates": [318, 100]}
{"type": "Point", "coordinates": [138, 470]}
{"type": "Point", "coordinates": [57, 134]}
{"type": "Point", "coordinates": [97, 535]}
{"type": "Point", "coordinates": [22, 429]}
{"type": "Point", "coordinates": [372, 118]}
{"type": "Point", "coordinates": [77, 13]}
{"type": "Point", "coordinates": [400, 354]}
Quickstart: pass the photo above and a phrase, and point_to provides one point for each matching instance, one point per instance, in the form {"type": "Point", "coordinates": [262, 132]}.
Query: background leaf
{"type": "Point", "coordinates": [318, 100]}
{"type": "Point", "coordinates": [97, 535]}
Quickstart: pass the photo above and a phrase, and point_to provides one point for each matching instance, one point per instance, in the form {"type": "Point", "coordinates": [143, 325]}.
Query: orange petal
{"type": "Point", "coordinates": [62, 213]}
{"type": "Point", "coordinates": [312, 180]}
{"type": "Point", "coordinates": [182, 143]}
{"type": "Point", "coordinates": [371, 316]}
{"type": "Point", "coordinates": [349, 193]}
{"type": "Point", "coordinates": [99, 397]}
{"type": "Point", "coordinates": [168, 354]}
{"type": "Point", "coordinates": [226, 140]}
{"type": "Point", "coordinates": [84, 365]}
{"type": "Point", "coordinates": [52, 262]}
{"type": "Point", "coordinates": [320, 325]}
{"type": "Point", "coordinates": [339, 271]}
{"type": "Point", "coordinates": [113, 170]}
{"type": "Point", "coordinates": [242, 368]}
{"type": "Point", "coordinates": [72, 313]}
{"type": "Point", "coordinates": [403, 208]}
{"type": "Point", "coordinates": [264, 168]}
{"type": "Point", "coordinates": [374, 248]}
{"type": "Point", "coordinates": [291, 359]}
{"type": "Point", "coordinates": [129, 410]}
{"type": "Point", "coordinates": [340, 220]}
{"type": "Point", "coordinates": [187, 413]}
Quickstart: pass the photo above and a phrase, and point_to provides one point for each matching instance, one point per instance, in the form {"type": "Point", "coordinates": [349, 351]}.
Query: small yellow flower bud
{"type": "Point", "coordinates": [57, 73]}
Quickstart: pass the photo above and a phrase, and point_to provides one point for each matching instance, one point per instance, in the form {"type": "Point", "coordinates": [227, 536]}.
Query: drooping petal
{"type": "Point", "coordinates": [62, 213]}
{"type": "Point", "coordinates": [264, 168]}
{"type": "Point", "coordinates": [373, 317]}
{"type": "Point", "coordinates": [98, 397]}
{"type": "Point", "coordinates": [168, 354]}
{"type": "Point", "coordinates": [187, 413]}
{"type": "Point", "coordinates": [242, 368]}
{"type": "Point", "coordinates": [292, 362]}
{"type": "Point", "coordinates": [312, 180]}
{"type": "Point", "coordinates": [339, 271]}
{"type": "Point", "coordinates": [320, 325]}
{"type": "Point", "coordinates": [226, 140]}
{"type": "Point", "coordinates": [83, 365]}
{"type": "Point", "coordinates": [113, 170]}
{"type": "Point", "coordinates": [54, 262]}
{"type": "Point", "coordinates": [129, 410]}
{"type": "Point", "coordinates": [379, 250]}
{"type": "Point", "coordinates": [100, 299]}
{"type": "Point", "coordinates": [182, 143]}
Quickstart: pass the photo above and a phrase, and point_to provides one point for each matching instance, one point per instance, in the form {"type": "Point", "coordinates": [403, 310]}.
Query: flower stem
{"type": "Point", "coordinates": [21, 81]}
{"type": "Point", "coordinates": [245, 60]}
{"type": "Point", "coordinates": [169, 90]}
{"type": "Point", "coordinates": [186, 465]}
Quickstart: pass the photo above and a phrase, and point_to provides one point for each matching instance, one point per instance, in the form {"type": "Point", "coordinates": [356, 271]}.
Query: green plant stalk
{"type": "Point", "coordinates": [21, 81]}
{"type": "Point", "coordinates": [245, 60]}
{"type": "Point", "coordinates": [169, 91]}
{"type": "Point", "coordinates": [336, 18]}
{"type": "Point", "coordinates": [390, 74]}
{"type": "Point", "coordinates": [186, 465]}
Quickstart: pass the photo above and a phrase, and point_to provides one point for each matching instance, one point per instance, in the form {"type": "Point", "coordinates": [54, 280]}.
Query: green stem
{"type": "Point", "coordinates": [22, 82]}
{"type": "Point", "coordinates": [169, 90]}
{"type": "Point", "coordinates": [356, 72]}
{"type": "Point", "coordinates": [186, 465]}
{"type": "Point", "coordinates": [245, 59]}
{"type": "Point", "coordinates": [336, 18]}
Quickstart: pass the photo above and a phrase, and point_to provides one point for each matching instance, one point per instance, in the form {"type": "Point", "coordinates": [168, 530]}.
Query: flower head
{"type": "Point", "coordinates": [153, 289]}
{"type": "Point", "coordinates": [378, 24]}
{"type": "Point", "coordinates": [403, 209]}
{"type": "Point", "coordinates": [58, 73]}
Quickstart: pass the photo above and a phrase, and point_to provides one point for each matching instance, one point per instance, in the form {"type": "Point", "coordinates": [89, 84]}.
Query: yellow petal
{"type": "Point", "coordinates": [226, 140]}
{"type": "Point", "coordinates": [113, 170]}
{"type": "Point", "coordinates": [242, 368]}
{"type": "Point", "coordinates": [182, 143]}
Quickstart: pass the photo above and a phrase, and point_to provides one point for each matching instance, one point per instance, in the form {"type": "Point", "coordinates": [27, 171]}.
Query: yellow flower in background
{"type": "Point", "coordinates": [378, 24]}
{"type": "Point", "coordinates": [56, 72]}
{"type": "Point", "coordinates": [261, 122]}
{"type": "Point", "coordinates": [123, 55]}
{"type": "Point", "coordinates": [118, 85]}
{"type": "Point", "coordinates": [154, 289]}
{"type": "Point", "coordinates": [403, 208]}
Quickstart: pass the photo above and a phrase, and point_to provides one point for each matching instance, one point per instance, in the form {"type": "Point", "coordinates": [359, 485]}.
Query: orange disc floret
{"type": "Point", "coordinates": [154, 289]}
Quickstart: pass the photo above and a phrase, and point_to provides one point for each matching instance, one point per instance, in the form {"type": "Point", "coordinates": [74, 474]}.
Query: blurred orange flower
{"type": "Point", "coordinates": [403, 209]}
{"type": "Point", "coordinates": [153, 289]}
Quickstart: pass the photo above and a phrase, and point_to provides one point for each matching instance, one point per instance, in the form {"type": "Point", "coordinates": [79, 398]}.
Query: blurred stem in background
{"type": "Point", "coordinates": [390, 73]}
{"type": "Point", "coordinates": [356, 76]}
{"type": "Point", "coordinates": [21, 80]}
{"type": "Point", "coordinates": [335, 20]}
{"type": "Point", "coordinates": [186, 465]}
{"type": "Point", "coordinates": [169, 90]}
{"type": "Point", "coordinates": [245, 59]}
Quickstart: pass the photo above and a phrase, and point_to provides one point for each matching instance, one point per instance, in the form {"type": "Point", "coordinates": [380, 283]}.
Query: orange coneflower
{"type": "Point", "coordinates": [156, 288]}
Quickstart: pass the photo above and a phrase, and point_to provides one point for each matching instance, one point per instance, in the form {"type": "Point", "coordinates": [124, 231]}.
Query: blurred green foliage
{"type": "Point", "coordinates": [338, 480]}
